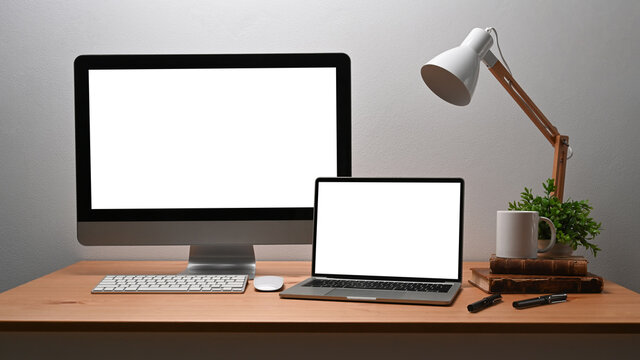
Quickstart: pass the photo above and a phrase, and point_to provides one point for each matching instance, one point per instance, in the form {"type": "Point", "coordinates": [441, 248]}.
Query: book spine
{"type": "Point", "coordinates": [538, 286]}
{"type": "Point", "coordinates": [538, 267]}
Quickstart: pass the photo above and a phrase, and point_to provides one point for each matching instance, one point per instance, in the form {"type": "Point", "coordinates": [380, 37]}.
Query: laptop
{"type": "Point", "coordinates": [396, 240]}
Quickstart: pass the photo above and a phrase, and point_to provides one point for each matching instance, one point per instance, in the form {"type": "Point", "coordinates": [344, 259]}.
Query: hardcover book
{"type": "Point", "coordinates": [534, 284]}
{"type": "Point", "coordinates": [570, 265]}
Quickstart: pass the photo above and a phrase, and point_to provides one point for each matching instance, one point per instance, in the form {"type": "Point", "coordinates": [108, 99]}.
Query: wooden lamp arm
{"type": "Point", "coordinates": [559, 142]}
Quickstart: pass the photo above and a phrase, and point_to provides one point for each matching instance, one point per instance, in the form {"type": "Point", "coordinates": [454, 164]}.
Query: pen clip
{"type": "Point", "coordinates": [557, 298]}
{"type": "Point", "coordinates": [552, 301]}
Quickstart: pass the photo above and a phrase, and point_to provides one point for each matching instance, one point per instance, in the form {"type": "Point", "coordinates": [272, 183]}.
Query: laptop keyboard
{"type": "Point", "coordinates": [380, 285]}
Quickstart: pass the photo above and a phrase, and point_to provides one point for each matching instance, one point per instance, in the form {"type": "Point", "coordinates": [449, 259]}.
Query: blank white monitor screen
{"type": "Point", "coordinates": [388, 229]}
{"type": "Point", "coordinates": [210, 138]}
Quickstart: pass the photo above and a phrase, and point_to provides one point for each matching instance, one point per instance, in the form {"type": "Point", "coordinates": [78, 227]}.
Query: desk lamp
{"type": "Point", "coordinates": [453, 75]}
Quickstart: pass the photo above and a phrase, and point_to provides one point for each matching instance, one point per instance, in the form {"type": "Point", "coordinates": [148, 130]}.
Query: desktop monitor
{"type": "Point", "coordinates": [219, 152]}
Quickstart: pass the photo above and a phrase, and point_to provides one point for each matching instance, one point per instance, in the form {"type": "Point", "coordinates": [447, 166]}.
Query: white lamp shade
{"type": "Point", "coordinates": [453, 74]}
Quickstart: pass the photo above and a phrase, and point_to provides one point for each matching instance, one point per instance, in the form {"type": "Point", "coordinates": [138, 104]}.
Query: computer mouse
{"type": "Point", "coordinates": [268, 283]}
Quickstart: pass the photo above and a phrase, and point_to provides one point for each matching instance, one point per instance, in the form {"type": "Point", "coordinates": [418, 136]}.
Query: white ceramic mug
{"type": "Point", "coordinates": [517, 234]}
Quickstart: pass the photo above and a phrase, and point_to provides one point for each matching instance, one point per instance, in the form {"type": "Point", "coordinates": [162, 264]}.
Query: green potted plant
{"type": "Point", "coordinates": [571, 218]}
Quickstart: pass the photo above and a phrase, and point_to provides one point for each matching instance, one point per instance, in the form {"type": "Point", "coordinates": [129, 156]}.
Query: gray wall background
{"type": "Point", "coordinates": [578, 60]}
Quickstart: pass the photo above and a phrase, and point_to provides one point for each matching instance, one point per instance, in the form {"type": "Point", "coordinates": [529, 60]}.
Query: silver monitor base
{"type": "Point", "coordinates": [222, 260]}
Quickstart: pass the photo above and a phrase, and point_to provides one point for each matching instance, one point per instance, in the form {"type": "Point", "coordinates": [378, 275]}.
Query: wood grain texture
{"type": "Point", "coordinates": [62, 301]}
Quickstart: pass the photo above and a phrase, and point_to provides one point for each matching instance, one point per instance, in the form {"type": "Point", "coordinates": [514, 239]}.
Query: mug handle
{"type": "Point", "coordinates": [553, 234]}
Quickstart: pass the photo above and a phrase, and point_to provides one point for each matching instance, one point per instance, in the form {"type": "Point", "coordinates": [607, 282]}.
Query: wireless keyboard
{"type": "Point", "coordinates": [185, 284]}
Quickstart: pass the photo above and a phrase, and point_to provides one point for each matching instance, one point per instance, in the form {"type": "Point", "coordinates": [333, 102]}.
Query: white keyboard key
{"type": "Point", "coordinates": [179, 288]}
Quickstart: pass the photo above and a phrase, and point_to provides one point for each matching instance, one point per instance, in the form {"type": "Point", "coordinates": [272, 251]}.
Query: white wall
{"type": "Point", "coordinates": [576, 59]}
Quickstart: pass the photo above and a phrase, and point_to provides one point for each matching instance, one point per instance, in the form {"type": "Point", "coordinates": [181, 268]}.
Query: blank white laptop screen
{"type": "Point", "coordinates": [210, 138]}
{"type": "Point", "coordinates": [397, 229]}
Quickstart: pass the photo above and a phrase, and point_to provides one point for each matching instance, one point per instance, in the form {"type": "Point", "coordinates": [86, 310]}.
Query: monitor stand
{"type": "Point", "coordinates": [221, 260]}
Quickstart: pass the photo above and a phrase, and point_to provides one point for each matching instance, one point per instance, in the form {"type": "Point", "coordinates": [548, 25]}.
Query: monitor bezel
{"type": "Point", "coordinates": [84, 63]}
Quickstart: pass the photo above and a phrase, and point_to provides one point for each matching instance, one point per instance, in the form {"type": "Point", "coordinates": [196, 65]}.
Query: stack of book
{"type": "Point", "coordinates": [536, 276]}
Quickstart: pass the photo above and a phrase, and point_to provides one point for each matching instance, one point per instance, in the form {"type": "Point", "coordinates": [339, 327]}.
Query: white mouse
{"type": "Point", "coordinates": [268, 283]}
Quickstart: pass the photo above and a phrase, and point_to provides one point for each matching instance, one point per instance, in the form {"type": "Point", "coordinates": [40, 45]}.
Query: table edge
{"type": "Point", "coordinates": [284, 327]}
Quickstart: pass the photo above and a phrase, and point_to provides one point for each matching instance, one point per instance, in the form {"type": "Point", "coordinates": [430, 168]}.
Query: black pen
{"type": "Point", "coordinates": [541, 300]}
{"type": "Point", "coordinates": [484, 303]}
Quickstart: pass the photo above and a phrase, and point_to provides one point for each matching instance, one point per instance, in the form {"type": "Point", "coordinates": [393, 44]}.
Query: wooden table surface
{"type": "Point", "coordinates": [62, 301]}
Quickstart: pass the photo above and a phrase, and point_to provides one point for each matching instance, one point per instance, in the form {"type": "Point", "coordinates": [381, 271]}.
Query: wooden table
{"type": "Point", "coordinates": [61, 303]}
